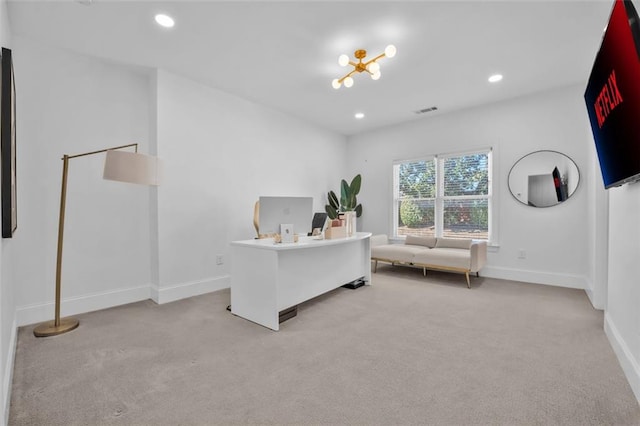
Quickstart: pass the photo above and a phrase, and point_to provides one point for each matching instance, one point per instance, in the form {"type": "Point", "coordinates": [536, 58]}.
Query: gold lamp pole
{"type": "Point", "coordinates": [63, 325]}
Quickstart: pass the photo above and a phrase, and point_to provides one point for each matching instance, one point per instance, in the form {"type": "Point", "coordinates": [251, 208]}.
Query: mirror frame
{"type": "Point", "coordinates": [536, 152]}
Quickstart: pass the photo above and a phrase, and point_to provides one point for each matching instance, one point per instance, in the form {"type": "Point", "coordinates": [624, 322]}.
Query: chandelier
{"type": "Point", "coordinates": [372, 67]}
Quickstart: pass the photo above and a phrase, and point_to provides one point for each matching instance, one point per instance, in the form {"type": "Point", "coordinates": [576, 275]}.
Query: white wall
{"type": "Point", "coordinates": [70, 104]}
{"type": "Point", "coordinates": [221, 153]}
{"type": "Point", "coordinates": [555, 239]}
{"type": "Point", "coordinates": [598, 217]}
{"type": "Point", "coordinates": [7, 282]}
{"type": "Point", "coordinates": [622, 316]}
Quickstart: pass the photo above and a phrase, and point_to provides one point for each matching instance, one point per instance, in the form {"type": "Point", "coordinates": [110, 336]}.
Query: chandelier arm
{"type": "Point", "coordinates": [375, 59]}
{"type": "Point", "coordinates": [348, 75]}
{"type": "Point", "coordinates": [360, 66]}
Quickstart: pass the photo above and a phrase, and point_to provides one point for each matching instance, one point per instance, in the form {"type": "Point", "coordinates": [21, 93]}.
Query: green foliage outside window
{"type": "Point", "coordinates": [417, 180]}
{"type": "Point", "coordinates": [410, 214]}
{"type": "Point", "coordinates": [416, 214]}
{"type": "Point", "coordinates": [464, 191]}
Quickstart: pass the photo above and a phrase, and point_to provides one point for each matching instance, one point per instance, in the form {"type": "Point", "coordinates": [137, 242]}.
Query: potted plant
{"type": "Point", "coordinates": [348, 201]}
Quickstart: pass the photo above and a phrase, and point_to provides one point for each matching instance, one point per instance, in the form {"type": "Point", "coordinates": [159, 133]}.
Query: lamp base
{"type": "Point", "coordinates": [49, 328]}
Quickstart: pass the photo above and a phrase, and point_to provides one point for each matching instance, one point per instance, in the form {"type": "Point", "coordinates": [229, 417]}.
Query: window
{"type": "Point", "coordinates": [443, 196]}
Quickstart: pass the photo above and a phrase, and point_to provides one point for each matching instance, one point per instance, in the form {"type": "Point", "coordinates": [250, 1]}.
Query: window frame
{"type": "Point", "coordinates": [440, 198]}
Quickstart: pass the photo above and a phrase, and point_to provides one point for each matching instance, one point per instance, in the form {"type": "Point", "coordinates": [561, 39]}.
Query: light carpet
{"type": "Point", "coordinates": [405, 350]}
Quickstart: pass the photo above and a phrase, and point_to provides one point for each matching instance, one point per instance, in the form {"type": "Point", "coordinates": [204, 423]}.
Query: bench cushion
{"type": "Point", "coordinates": [453, 243]}
{"type": "Point", "coordinates": [420, 241]}
{"type": "Point", "coordinates": [396, 252]}
{"type": "Point", "coordinates": [445, 257]}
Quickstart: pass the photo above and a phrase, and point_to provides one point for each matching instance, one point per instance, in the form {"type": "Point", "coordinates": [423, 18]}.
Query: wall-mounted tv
{"type": "Point", "coordinates": [613, 97]}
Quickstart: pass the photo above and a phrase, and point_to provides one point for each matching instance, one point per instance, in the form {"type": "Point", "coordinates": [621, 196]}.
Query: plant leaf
{"type": "Point", "coordinates": [355, 184]}
{"type": "Point", "coordinates": [333, 200]}
{"type": "Point", "coordinates": [351, 204]}
{"type": "Point", "coordinates": [344, 192]}
{"type": "Point", "coordinates": [359, 210]}
{"type": "Point", "coordinates": [331, 212]}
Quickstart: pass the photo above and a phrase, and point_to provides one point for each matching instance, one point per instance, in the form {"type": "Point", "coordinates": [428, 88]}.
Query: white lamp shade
{"type": "Point", "coordinates": [336, 84]}
{"type": "Point", "coordinates": [348, 82]}
{"type": "Point", "coordinates": [343, 60]}
{"type": "Point", "coordinates": [132, 167]}
{"type": "Point", "coordinates": [390, 51]}
{"type": "Point", "coordinates": [373, 67]}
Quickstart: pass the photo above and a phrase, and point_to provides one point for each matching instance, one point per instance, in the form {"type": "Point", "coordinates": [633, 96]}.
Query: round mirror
{"type": "Point", "coordinates": [543, 178]}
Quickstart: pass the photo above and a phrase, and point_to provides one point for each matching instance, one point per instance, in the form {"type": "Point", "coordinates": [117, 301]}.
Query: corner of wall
{"type": "Point", "coordinates": [154, 248]}
{"type": "Point", "coordinates": [592, 293]}
{"type": "Point", "coordinates": [172, 293]}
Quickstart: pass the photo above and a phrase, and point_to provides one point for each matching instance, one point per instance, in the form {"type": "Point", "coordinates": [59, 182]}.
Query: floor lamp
{"type": "Point", "coordinates": [123, 166]}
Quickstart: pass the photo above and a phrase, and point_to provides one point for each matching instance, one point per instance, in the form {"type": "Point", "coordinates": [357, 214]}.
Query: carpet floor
{"type": "Point", "coordinates": [405, 350]}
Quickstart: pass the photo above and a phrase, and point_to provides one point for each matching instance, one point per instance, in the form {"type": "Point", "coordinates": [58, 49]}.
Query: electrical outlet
{"type": "Point", "coordinates": [219, 259]}
{"type": "Point", "coordinates": [522, 254]}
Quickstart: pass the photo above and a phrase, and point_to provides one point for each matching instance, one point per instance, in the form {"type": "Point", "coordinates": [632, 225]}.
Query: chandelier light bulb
{"type": "Point", "coordinates": [348, 82]}
{"type": "Point", "coordinates": [343, 60]}
{"type": "Point", "coordinates": [376, 75]}
{"type": "Point", "coordinates": [164, 20]}
{"type": "Point", "coordinates": [390, 51]}
{"type": "Point", "coordinates": [336, 83]}
{"type": "Point", "coordinates": [373, 67]}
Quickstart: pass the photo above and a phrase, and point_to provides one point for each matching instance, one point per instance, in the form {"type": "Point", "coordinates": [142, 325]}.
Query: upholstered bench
{"type": "Point", "coordinates": [448, 254]}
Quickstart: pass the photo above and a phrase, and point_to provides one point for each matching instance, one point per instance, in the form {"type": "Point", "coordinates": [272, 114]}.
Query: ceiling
{"type": "Point", "coordinates": [284, 54]}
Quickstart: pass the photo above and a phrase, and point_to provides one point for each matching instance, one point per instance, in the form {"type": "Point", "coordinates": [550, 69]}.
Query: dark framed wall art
{"type": "Point", "coordinates": [8, 187]}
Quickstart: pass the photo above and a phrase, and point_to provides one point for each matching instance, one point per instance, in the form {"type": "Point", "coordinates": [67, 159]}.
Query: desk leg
{"type": "Point", "coordinates": [254, 293]}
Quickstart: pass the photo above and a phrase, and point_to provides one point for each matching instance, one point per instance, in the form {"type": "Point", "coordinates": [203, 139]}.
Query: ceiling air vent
{"type": "Point", "coordinates": [423, 110]}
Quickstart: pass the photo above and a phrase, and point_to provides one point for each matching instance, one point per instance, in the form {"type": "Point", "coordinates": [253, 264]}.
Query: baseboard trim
{"type": "Point", "coordinates": [591, 297]}
{"type": "Point", "coordinates": [35, 313]}
{"type": "Point", "coordinates": [168, 294]}
{"type": "Point", "coordinates": [40, 312]}
{"type": "Point", "coordinates": [536, 277]}
{"type": "Point", "coordinates": [8, 372]}
{"type": "Point", "coordinates": [626, 359]}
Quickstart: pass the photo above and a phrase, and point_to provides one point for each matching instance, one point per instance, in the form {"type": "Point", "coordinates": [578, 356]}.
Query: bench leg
{"type": "Point", "coordinates": [468, 282]}
{"type": "Point", "coordinates": [375, 266]}
{"type": "Point", "coordinates": [478, 274]}
{"type": "Point", "coordinates": [424, 272]}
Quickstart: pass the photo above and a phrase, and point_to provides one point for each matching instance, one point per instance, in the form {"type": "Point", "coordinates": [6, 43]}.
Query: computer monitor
{"type": "Point", "coordinates": [275, 211]}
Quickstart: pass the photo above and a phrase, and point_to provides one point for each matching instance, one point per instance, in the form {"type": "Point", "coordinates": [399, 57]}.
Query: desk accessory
{"type": "Point", "coordinates": [286, 232]}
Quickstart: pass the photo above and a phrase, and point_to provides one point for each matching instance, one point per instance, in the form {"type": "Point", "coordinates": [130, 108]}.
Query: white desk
{"type": "Point", "coordinates": [267, 278]}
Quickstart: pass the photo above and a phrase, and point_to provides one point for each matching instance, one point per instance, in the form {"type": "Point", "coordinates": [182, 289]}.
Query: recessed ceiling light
{"type": "Point", "coordinates": [164, 20]}
{"type": "Point", "coordinates": [495, 78]}
{"type": "Point", "coordinates": [359, 115]}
